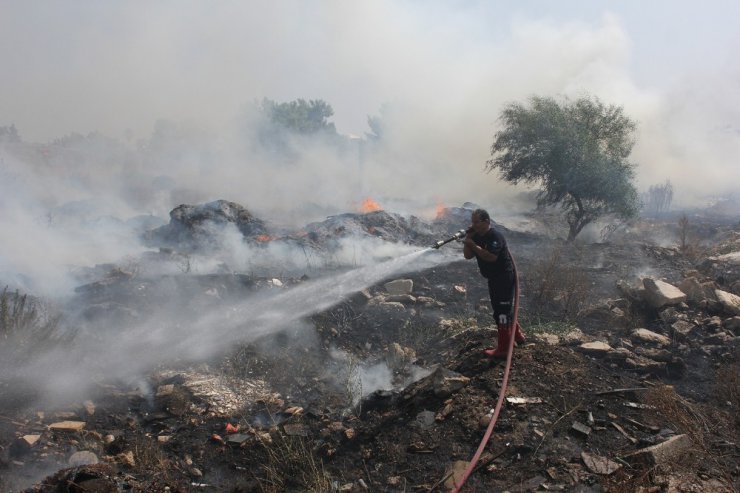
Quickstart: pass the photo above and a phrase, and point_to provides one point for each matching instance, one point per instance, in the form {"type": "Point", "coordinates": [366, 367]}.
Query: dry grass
{"type": "Point", "coordinates": [688, 243]}
{"type": "Point", "coordinates": [555, 288]}
{"type": "Point", "coordinates": [727, 388]}
{"type": "Point", "coordinates": [150, 460]}
{"type": "Point", "coordinates": [683, 416]}
{"type": "Point", "coordinates": [705, 426]}
{"type": "Point", "coordinates": [290, 465]}
{"type": "Point", "coordinates": [26, 325]}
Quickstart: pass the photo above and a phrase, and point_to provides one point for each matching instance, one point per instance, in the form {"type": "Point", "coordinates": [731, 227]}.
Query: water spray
{"type": "Point", "coordinates": [457, 236]}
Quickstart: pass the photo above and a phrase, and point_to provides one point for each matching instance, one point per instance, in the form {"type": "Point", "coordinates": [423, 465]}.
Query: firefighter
{"type": "Point", "coordinates": [488, 247]}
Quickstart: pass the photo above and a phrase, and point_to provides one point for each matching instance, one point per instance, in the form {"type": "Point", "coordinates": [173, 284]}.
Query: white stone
{"type": "Point", "coordinates": [650, 336]}
{"type": "Point", "coordinates": [731, 302]}
{"type": "Point", "coordinates": [82, 458]}
{"type": "Point", "coordinates": [67, 425]}
{"type": "Point", "coordinates": [596, 347]}
{"type": "Point", "coordinates": [399, 286]}
{"type": "Point", "coordinates": [659, 293]}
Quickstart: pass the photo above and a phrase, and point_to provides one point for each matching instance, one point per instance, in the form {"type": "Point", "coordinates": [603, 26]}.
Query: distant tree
{"type": "Point", "coordinates": [282, 128]}
{"type": "Point", "coordinates": [576, 151]}
{"type": "Point", "coordinates": [658, 198]}
{"type": "Point", "coordinates": [378, 124]}
{"type": "Point", "coordinates": [300, 116]}
{"type": "Point", "coordinates": [9, 134]}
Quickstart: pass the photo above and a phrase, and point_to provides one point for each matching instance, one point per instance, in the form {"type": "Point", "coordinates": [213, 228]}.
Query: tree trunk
{"type": "Point", "coordinates": [579, 219]}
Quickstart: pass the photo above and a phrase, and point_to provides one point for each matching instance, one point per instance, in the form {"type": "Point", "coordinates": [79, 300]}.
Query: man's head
{"type": "Point", "coordinates": [480, 221]}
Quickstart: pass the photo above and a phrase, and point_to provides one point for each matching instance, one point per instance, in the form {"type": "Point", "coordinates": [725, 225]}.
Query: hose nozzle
{"type": "Point", "coordinates": [457, 236]}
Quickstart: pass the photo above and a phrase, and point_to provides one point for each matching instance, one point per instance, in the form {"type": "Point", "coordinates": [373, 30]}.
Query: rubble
{"type": "Point", "coordinates": [583, 410]}
{"type": "Point", "coordinates": [662, 453]}
{"type": "Point", "coordinates": [730, 302]}
{"type": "Point", "coordinates": [399, 287]}
{"type": "Point", "coordinates": [660, 293]}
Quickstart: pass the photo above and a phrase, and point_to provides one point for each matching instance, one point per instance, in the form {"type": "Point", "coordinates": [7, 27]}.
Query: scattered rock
{"type": "Point", "coordinates": [399, 286]}
{"type": "Point", "coordinates": [661, 453]}
{"type": "Point", "coordinates": [83, 458]}
{"type": "Point", "coordinates": [580, 429]}
{"type": "Point", "coordinates": [598, 464]}
{"type": "Point", "coordinates": [659, 293]}
{"type": "Point", "coordinates": [646, 335]}
{"type": "Point", "coordinates": [67, 426]}
{"type": "Point", "coordinates": [730, 302]}
{"type": "Point", "coordinates": [597, 348]}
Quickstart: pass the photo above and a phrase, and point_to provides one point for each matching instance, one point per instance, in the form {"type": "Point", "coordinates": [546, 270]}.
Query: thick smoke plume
{"type": "Point", "coordinates": [152, 105]}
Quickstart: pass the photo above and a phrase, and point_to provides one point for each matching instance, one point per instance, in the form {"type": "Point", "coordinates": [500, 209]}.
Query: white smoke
{"type": "Point", "coordinates": [166, 85]}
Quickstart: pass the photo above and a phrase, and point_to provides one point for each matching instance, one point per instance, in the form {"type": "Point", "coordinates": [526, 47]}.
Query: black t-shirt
{"type": "Point", "coordinates": [494, 242]}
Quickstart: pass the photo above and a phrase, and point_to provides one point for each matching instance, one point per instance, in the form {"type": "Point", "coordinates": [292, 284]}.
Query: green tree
{"type": "Point", "coordinates": [283, 128]}
{"type": "Point", "coordinates": [576, 151]}
{"type": "Point", "coordinates": [300, 116]}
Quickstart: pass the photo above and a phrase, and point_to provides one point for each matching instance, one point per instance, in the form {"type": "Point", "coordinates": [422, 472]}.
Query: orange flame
{"type": "Point", "coordinates": [264, 238]}
{"type": "Point", "coordinates": [441, 211]}
{"type": "Point", "coordinates": [369, 205]}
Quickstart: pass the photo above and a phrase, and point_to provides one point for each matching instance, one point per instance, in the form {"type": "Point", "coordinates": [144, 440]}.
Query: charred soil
{"type": "Point", "coordinates": [393, 393]}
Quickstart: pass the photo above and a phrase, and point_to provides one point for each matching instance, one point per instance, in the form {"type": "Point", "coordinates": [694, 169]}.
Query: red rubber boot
{"type": "Point", "coordinates": [519, 335]}
{"type": "Point", "coordinates": [502, 348]}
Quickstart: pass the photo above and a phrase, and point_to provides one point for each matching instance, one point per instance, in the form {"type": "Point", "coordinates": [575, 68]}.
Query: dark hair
{"type": "Point", "coordinates": [482, 214]}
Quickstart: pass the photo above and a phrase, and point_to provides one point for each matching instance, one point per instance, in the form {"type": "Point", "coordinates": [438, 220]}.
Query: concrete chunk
{"type": "Point", "coordinates": [596, 348]}
{"type": "Point", "coordinates": [237, 439]}
{"type": "Point", "coordinates": [646, 335]}
{"type": "Point", "coordinates": [729, 301]}
{"type": "Point", "coordinates": [661, 453]}
{"type": "Point", "coordinates": [67, 426]}
{"type": "Point", "coordinates": [659, 293]}
{"type": "Point", "coordinates": [30, 439]}
{"type": "Point", "coordinates": [399, 286]}
{"type": "Point", "coordinates": [598, 464]}
{"type": "Point", "coordinates": [580, 429]}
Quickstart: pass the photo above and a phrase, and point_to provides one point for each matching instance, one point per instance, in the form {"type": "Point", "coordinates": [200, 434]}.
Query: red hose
{"type": "Point", "coordinates": [502, 391]}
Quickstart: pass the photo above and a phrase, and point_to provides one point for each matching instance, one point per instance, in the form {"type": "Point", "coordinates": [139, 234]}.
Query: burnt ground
{"type": "Point", "coordinates": [291, 418]}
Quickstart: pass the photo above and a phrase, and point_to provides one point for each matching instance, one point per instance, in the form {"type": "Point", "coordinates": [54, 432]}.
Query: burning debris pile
{"type": "Point", "coordinates": [194, 227]}
{"type": "Point", "coordinates": [384, 389]}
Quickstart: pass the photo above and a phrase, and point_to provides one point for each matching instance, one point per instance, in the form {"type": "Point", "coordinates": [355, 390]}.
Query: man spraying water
{"type": "Point", "coordinates": [488, 247]}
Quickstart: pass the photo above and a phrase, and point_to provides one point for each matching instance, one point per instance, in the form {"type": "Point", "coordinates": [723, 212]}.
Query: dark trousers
{"type": "Point", "coordinates": [501, 290]}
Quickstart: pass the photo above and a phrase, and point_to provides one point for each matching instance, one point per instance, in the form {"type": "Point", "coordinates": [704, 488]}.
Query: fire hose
{"type": "Point", "coordinates": [502, 391]}
{"type": "Point", "coordinates": [457, 236]}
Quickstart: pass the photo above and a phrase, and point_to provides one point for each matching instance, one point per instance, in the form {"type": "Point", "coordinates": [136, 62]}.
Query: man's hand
{"type": "Point", "coordinates": [468, 241]}
{"type": "Point", "coordinates": [469, 245]}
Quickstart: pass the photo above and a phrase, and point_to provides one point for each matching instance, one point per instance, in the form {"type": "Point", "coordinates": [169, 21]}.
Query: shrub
{"type": "Point", "coordinates": [554, 288]}
{"type": "Point", "coordinates": [290, 463]}
{"type": "Point", "coordinates": [24, 322]}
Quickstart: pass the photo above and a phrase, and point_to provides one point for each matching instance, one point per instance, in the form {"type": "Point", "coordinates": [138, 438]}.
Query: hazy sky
{"type": "Point", "coordinates": [118, 66]}
{"type": "Point", "coordinates": [87, 65]}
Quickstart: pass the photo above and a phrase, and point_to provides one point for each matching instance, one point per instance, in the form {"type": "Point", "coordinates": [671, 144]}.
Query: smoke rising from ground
{"type": "Point", "coordinates": [167, 86]}
{"type": "Point", "coordinates": [108, 351]}
{"type": "Point", "coordinates": [443, 71]}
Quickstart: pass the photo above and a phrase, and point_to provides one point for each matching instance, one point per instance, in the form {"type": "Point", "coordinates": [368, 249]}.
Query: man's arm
{"type": "Point", "coordinates": [470, 250]}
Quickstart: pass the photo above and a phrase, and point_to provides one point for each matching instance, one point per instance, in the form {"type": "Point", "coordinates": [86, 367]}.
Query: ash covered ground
{"type": "Point", "coordinates": [175, 371]}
